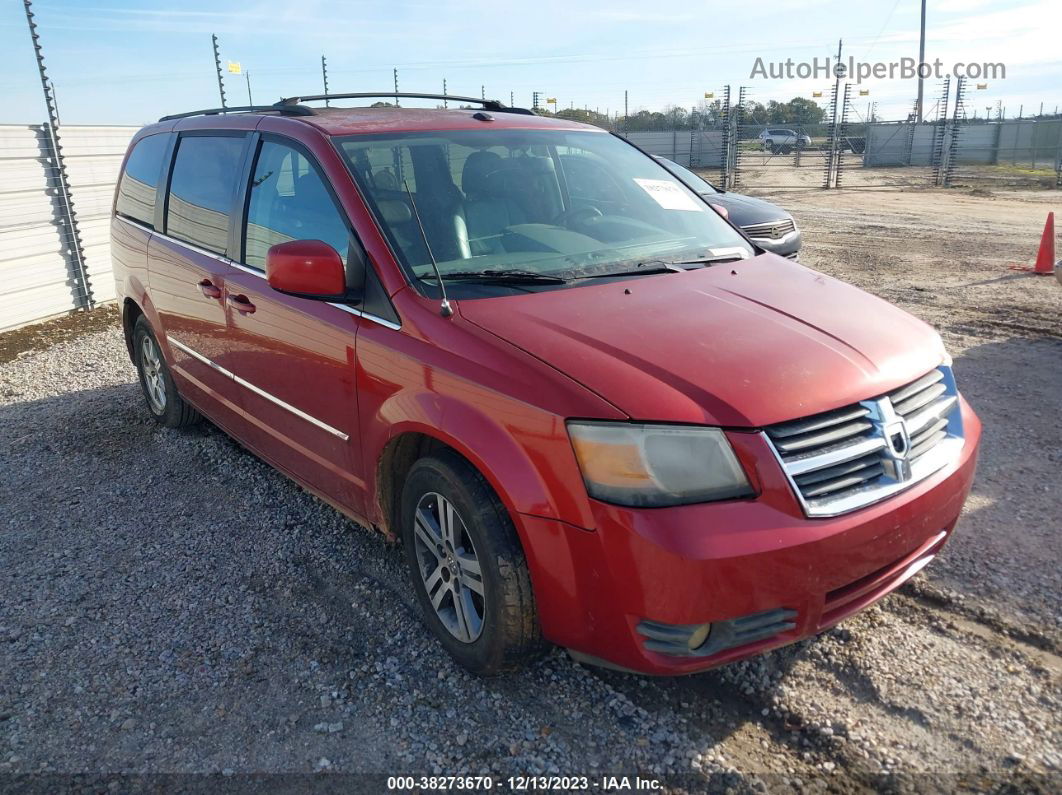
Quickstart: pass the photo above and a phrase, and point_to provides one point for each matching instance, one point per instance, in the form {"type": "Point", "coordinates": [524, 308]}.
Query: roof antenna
{"type": "Point", "coordinates": [444, 308]}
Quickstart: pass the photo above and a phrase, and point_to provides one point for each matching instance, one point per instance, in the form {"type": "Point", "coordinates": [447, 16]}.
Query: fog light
{"type": "Point", "coordinates": [704, 640]}
{"type": "Point", "coordinates": [699, 636]}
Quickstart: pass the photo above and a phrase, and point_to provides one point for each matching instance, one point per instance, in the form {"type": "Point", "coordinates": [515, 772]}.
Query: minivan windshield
{"type": "Point", "coordinates": [534, 207]}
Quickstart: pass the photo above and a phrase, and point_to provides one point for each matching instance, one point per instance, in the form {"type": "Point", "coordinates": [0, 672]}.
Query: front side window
{"type": "Point", "coordinates": [136, 190]}
{"type": "Point", "coordinates": [202, 190]}
{"type": "Point", "coordinates": [289, 201]}
{"type": "Point", "coordinates": [565, 204]}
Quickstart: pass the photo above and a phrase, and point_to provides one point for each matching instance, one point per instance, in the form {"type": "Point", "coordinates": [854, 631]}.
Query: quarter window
{"type": "Point", "coordinates": [289, 201]}
{"type": "Point", "coordinates": [136, 191]}
{"type": "Point", "coordinates": [202, 189]}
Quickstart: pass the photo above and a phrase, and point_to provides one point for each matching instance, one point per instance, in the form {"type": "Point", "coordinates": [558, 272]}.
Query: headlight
{"type": "Point", "coordinates": [652, 466]}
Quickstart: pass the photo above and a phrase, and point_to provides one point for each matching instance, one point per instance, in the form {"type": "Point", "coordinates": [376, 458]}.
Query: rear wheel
{"type": "Point", "coordinates": [467, 566]}
{"type": "Point", "coordinates": [160, 393]}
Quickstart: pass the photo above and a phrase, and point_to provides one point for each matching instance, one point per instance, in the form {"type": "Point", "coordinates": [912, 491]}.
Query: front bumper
{"type": "Point", "coordinates": [717, 562]}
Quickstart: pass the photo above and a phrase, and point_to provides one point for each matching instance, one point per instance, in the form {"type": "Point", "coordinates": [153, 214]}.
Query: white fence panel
{"type": "Point", "coordinates": [35, 281]}
{"type": "Point", "coordinates": [36, 278]}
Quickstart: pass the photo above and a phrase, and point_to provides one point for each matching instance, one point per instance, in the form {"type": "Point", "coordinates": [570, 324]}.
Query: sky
{"type": "Point", "coordinates": [131, 61]}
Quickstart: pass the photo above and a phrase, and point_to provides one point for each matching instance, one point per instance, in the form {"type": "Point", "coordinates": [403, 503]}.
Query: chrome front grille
{"type": "Point", "coordinates": [856, 455]}
{"type": "Point", "coordinates": [772, 230]}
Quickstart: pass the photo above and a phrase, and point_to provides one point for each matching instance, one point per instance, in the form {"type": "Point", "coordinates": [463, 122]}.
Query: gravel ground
{"type": "Point", "coordinates": [171, 605]}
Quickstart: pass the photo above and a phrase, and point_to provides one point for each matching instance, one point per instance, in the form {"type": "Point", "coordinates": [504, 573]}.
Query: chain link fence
{"type": "Point", "coordinates": [847, 150]}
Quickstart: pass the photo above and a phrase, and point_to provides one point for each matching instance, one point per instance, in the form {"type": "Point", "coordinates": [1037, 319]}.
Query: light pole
{"type": "Point", "coordinates": [921, 59]}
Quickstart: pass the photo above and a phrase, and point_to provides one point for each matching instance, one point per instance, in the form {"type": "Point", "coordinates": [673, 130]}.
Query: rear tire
{"type": "Point", "coordinates": [167, 407]}
{"type": "Point", "coordinates": [468, 568]}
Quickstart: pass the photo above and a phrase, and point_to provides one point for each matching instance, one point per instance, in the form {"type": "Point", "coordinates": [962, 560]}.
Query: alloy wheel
{"type": "Point", "coordinates": [449, 567]}
{"type": "Point", "coordinates": [154, 381]}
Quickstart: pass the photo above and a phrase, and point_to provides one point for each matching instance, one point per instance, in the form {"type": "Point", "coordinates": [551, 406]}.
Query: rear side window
{"type": "Point", "coordinates": [289, 201]}
{"type": "Point", "coordinates": [136, 191]}
{"type": "Point", "coordinates": [202, 189]}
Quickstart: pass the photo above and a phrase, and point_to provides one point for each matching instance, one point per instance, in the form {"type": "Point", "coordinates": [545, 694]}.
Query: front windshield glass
{"type": "Point", "coordinates": [545, 203]}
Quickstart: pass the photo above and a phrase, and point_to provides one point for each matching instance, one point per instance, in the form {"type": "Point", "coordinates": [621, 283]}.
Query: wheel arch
{"type": "Point", "coordinates": [526, 478]}
{"type": "Point", "coordinates": [131, 311]}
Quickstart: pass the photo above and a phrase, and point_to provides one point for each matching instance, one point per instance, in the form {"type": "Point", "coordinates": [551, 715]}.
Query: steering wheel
{"type": "Point", "coordinates": [576, 217]}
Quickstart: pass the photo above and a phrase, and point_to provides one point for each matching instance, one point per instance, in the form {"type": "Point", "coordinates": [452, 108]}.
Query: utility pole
{"type": "Point", "coordinates": [625, 111]}
{"type": "Point", "coordinates": [512, 99]}
{"type": "Point", "coordinates": [482, 92]}
{"type": "Point", "coordinates": [247, 74]}
{"type": "Point", "coordinates": [921, 60]}
{"type": "Point", "coordinates": [396, 86]}
{"type": "Point", "coordinates": [534, 100]}
{"type": "Point", "coordinates": [73, 248]}
{"type": "Point", "coordinates": [324, 78]}
{"type": "Point", "coordinates": [217, 68]}
{"type": "Point", "coordinates": [838, 100]}
{"type": "Point", "coordinates": [445, 103]}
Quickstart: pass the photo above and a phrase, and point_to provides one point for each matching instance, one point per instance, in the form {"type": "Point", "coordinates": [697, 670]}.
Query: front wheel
{"type": "Point", "coordinates": [468, 568]}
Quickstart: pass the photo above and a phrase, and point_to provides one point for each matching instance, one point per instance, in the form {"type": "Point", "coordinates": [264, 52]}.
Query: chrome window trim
{"type": "Point", "coordinates": [258, 390]}
{"type": "Point", "coordinates": [253, 271]}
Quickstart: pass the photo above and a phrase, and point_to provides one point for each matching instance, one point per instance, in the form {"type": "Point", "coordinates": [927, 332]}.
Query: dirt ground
{"type": "Point", "coordinates": [140, 634]}
{"type": "Point", "coordinates": [761, 172]}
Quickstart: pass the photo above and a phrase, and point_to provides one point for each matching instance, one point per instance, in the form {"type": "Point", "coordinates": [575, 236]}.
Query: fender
{"type": "Point", "coordinates": [528, 461]}
{"type": "Point", "coordinates": [137, 292]}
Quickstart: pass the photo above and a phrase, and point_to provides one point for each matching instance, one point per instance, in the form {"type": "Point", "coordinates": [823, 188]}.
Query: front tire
{"type": "Point", "coordinates": [468, 569]}
{"type": "Point", "coordinates": [160, 393]}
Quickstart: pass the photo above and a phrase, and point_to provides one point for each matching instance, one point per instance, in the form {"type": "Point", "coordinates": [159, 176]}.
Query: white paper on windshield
{"type": "Point", "coordinates": [669, 195]}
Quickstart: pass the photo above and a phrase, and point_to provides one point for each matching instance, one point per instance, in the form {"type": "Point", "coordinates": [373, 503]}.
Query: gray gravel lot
{"type": "Point", "coordinates": [170, 604]}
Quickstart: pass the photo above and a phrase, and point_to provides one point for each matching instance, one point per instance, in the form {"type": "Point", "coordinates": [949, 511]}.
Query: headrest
{"type": "Point", "coordinates": [478, 166]}
{"type": "Point", "coordinates": [394, 211]}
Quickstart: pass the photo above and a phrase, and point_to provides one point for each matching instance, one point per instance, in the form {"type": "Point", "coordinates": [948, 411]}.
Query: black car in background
{"type": "Point", "coordinates": [767, 225]}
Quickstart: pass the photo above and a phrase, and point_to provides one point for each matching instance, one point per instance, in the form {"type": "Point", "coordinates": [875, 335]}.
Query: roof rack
{"type": "Point", "coordinates": [488, 104]}
{"type": "Point", "coordinates": [292, 106]}
{"type": "Point", "coordinates": [286, 109]}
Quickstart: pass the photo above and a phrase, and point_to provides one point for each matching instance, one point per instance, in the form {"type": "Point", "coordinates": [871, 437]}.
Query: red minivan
{"type": "Point", "coordinates": [592, 411]}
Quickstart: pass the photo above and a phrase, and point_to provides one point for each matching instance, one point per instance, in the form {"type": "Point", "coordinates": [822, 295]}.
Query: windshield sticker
{"type": "Point", "coordinates": [669, 195]}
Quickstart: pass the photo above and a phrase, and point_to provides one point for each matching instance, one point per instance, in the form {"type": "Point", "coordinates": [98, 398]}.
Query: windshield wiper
{"type": "Point", "coordinates": [709, 260]}
{"type": "Point", "coordinates": [641, 269]}
{"type": "Point", "coordinates": [508, 276]}
{"type": "Point", "coordinates": [651, 266]}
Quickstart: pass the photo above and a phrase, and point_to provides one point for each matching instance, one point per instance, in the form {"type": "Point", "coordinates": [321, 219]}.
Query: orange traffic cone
{"type": "Point", "coordinates": [1045, 258]}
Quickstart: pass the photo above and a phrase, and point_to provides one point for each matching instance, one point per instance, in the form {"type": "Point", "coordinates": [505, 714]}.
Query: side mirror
{"type": "Point", "coordinates": [307, 269]}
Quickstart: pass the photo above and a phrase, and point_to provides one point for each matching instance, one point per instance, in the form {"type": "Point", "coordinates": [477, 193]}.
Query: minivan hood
{"type": "Point", "coordinates": [740, 344]}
